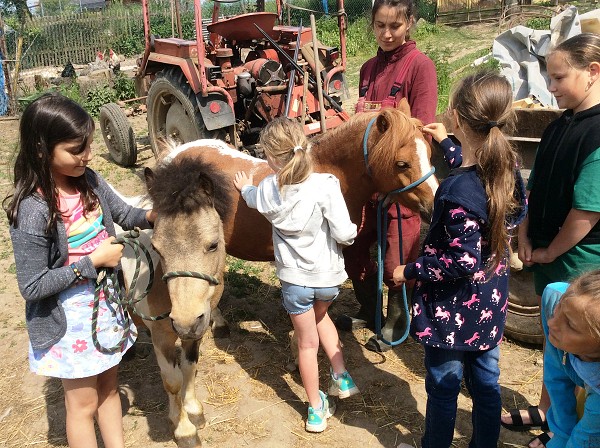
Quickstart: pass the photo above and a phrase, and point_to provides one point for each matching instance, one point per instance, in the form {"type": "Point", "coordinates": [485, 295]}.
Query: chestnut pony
{"type": "Point", "coordinates": [200, 214]}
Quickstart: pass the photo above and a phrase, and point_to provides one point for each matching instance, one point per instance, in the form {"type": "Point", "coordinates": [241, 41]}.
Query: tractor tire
{"type": "Point", "coordinates": [118, 135]}
{"type": "Point", "coordinates": [523, 321]}
{"type": "Point", "coordinates": [173, 111]}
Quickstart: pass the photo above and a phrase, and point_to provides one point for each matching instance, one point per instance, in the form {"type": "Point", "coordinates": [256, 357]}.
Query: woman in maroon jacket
{"type": "Point", "coordinates": [398, 71]}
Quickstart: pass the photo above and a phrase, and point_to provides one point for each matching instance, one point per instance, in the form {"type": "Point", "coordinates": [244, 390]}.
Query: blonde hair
{"type": "Point", "coordinates": [284, 142]}
{"type": "Point", "coordinates": [587, 285]}
{"type": "Point", "coordinates": [483, 102]}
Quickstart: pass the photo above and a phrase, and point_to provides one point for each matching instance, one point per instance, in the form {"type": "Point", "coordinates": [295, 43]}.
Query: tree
{"type": "Point", "coordinates": [18, 8]}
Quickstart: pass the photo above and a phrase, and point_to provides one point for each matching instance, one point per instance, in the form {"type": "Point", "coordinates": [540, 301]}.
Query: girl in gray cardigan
{"type": "Point", "coordinates": [61, 217]}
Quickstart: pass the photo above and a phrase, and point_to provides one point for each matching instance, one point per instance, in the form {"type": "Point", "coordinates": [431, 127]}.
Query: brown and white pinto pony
{"type": "Point", "coordinates": [200, 213]}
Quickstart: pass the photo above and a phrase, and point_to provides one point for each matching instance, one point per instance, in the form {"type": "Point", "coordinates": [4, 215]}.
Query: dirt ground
{"type": "Point", "coordinates": [249, 395]}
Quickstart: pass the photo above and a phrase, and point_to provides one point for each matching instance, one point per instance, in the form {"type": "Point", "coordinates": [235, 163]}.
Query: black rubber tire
{"type": "Point", "coordinates": [173, 111]}
{"type": "Point", "coordinates": [523, 321]}
{"type": "Point", "coordinates": [118, 135]}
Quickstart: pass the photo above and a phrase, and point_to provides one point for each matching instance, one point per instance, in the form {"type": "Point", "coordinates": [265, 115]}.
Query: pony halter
{"type": "Point", "coordinates": [366, 157]}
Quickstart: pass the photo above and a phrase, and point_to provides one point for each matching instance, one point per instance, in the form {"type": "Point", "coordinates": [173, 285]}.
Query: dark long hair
{"type": "Point", "coordinates": [483, 102]}
{"type": "Point", "coordinates": [49, 120]}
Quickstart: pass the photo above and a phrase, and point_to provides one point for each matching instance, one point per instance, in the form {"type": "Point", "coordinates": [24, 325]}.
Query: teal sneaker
{"type": "Point", "coordinates": [317, 418]}
{"type": "Point", "coordinates": [342, 385]}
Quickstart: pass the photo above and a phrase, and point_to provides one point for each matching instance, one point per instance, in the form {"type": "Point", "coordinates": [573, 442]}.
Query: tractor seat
{"type": "Point", "coordinates": [174, 46]}
{"type": "Point", "coordinates": [241, 28]}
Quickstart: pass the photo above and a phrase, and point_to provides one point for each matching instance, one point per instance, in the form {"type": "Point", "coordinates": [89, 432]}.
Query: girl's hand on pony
{"type": "Point", "coordinates": [241, 179]}
{"type": "Point", "coordinates": [107, 254]}
{"type": "Point", "coordinates": [436, 130]}
{"type": "Point", "coordinates": [398, 275]}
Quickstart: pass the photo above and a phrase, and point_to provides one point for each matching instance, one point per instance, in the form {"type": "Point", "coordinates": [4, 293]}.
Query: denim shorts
{"type": "Point", "coordinates": [299, 299]}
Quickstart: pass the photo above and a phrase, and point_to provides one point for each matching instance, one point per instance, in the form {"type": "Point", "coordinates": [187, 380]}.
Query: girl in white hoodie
{"type": "Point", "coordinates": [311, 225]}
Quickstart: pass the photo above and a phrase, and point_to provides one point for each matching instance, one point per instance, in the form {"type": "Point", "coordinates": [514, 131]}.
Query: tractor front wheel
{"type": "Point", "coordinates": [118, 135]}
{"type": "Point", "coordinates": [172, 111]}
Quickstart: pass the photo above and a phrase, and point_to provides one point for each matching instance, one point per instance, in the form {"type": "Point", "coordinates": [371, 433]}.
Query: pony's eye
{"type": "Point", "coordinates": [403, 165]}
{"type": "Point", "coordinates": [213, 247]}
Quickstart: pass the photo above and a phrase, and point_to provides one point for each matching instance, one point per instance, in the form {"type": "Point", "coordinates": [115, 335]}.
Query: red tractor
{"type": "Point", "coordinates": [240, 73]}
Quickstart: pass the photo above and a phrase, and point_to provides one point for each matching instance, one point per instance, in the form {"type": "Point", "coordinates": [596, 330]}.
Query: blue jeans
{"type": "Point", "coordinates": [298, 299]}
{"type": "Point", "coordinates": [444, 375]}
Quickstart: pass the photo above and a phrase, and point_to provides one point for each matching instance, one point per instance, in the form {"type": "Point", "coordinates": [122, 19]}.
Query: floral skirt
{"type": "Point", "coordinates": [75, 355]}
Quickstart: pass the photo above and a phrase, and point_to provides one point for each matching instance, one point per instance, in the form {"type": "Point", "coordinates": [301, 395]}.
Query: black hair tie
{"type": "Point", "coordinates": [492, 124]}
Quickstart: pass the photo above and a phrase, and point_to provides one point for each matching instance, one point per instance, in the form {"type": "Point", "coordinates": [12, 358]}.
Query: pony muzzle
{"type": "Point", "coordinates": [194, 329]}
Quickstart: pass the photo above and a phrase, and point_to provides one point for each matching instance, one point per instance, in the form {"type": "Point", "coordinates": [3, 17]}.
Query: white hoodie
{"type": "Point", "coordinates": [310, 225]}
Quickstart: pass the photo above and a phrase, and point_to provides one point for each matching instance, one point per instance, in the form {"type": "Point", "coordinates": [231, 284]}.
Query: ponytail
{"type": "Point", "coordinates": [285, 143]}
{"type": "Point", "coordinates": [483, 102]}
{"type": "Point", "coordinates": [497, 161]}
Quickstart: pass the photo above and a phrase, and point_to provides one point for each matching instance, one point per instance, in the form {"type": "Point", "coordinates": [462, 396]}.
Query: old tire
{"type": "Point", "coordinates": [523, 315]}
{"type": "Point", "coordinates": [118, 135]}
{"type": "Point", "coordinates": [172, 111]}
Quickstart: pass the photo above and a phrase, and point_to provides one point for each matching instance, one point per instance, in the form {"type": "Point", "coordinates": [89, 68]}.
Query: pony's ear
{"type": "Point", "coordinates": [404, 107]}
{"type": "Point", "coordinates": [149, 176]}
{"type": "Point", "coordinates": [207, 186]}
{"type": "Point", "coordinates": [383, 121]}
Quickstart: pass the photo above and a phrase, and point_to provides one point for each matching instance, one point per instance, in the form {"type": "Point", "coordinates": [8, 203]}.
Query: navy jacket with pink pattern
{"type": "Point", "coordinates": [456, 303]}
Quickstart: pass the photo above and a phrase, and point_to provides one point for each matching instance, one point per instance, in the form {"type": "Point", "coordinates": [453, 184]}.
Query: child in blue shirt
{"type": "Point", "coordinates": [571, 322]}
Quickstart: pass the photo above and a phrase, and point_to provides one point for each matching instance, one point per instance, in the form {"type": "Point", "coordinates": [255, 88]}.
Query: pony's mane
{"type": "Point", "coordinates": [185, 184]}
{"type": "Point", "coordinates": [400, 132]}
{"type": "Point", "coordinates": [356, 124]}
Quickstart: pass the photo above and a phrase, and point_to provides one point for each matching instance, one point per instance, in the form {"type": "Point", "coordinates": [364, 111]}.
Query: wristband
{"type": "Point", "coordinates": [76, 271]}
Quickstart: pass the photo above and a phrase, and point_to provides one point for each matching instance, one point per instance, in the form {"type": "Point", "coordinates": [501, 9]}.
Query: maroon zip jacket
{"type": "Point", "coordinates": [419, 87]}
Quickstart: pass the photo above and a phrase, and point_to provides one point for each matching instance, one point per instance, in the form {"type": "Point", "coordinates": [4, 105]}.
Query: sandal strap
{"type": "Point", "coordinates": [515, 416]}
{"type": "Point", "coordinates": [535, 416]}
{"type": "Point", "coordinates": [544, 438]}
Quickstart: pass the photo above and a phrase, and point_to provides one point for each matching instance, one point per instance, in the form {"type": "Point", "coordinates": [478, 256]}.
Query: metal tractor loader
{"type": "Point", "coordinates": [236, 76]}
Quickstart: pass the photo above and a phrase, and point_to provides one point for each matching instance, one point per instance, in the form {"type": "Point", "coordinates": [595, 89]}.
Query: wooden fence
{"type": "Point", "coordinates": [53, 41]}
{"type": "Point", "coordinates": [506, 13]}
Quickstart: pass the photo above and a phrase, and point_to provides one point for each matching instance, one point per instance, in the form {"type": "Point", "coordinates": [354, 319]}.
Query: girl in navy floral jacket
{"type": "Point", "coordinates": [461, 291]}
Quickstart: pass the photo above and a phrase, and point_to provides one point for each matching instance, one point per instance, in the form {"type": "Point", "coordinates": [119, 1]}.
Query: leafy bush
{"type": "Point", "coordinates": [538, 23]}
{"type": "Point", "coordinates": [129, 45]}
{"type": "Point", "coordinates": [359, 39]}
{"type": "Point", "coordinates": [425, 29]}
{"type": "Point", "coordinates": [124, 87]}
{"type": "Point", "coordinates": [98, 97]}
{"type": "Point", "coordinates": [426, 10]}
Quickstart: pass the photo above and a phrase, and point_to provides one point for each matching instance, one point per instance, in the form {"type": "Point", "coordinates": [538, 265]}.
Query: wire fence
{"type": "Point", "coordinates": [77, 36]}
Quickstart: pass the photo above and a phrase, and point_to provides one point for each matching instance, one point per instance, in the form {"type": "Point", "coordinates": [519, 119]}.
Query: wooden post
{"type": "Point", "coordinates": [178, 19]}
{"type": "Point", "coordinates": [5, 69]}
{"type": "Point", "coordinates": [313, 28]}
{"type": "Point", "coordinates": [304, 94]}
{"type": "Point", "coordinates": [17, 68]}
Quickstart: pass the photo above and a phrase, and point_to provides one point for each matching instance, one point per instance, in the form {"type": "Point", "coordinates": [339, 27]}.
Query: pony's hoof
{"type": "Point", "coordinates": [189, 442]}
{"type": "Point", "coordinates": [197, 420]}
{"type": "Point", "coordinates": [221, 331]}
{"type": "Point", "coordinates": [375, 344]}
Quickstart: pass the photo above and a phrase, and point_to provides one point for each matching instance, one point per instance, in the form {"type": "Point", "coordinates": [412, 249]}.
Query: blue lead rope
{"type": "Point", "coordinates": [382, 224]}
